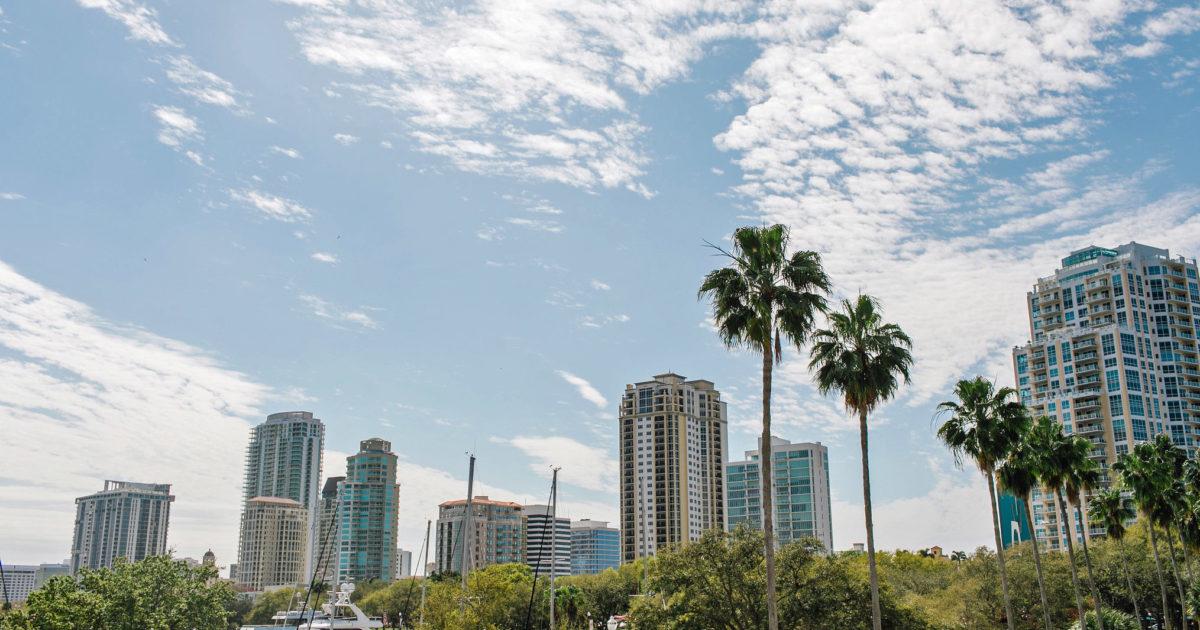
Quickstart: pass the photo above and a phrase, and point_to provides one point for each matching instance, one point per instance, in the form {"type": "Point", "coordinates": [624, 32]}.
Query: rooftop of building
{"type": "Point", "coordinates": [116, 487]}
{"type": "Point", "coordinates": [274, 501]}
{"type": "Point", "coordinates": [291, 415]}
{"type": "Point", "coordinates": [587, 523]}
{"type": "Point", "coordinates": [671, 378]}
{"type": "Point", "coordinates": [480, 500]}
{"type": "Point", "coordinates": [331, 486]}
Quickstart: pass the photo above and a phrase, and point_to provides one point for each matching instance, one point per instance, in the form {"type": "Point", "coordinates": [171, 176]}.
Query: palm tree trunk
{"type": "Point", "coordinates": [1129, 582]}
{"type": "Point", "coordinates": [1066, 523]}
{"type": "Point", "coordinates": [1162, 583]}
{"type": "Point", "coordinates": [1008, 613]}
{"type": "Point", "coordinates": [1087, 561]}
{"type": "Point", "coordinates": [1037, 561]}
{"type": "Point", "coordinates": [766, 474]}
{"type": "Point", "coordinates": [876, 616]}
{"type": "Point", "coordinates": [1178, 583]}
{"type": "Point", "coordinates": [1187, 557]}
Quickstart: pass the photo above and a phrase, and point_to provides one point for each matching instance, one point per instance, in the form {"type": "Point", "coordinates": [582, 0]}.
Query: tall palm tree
{"type": "Point", "coordinates": [986, 425]}
{"type": "Point", "coordinates": [761, 298]}
{"type": "Point", "coordinates": [1019, 476]}
{"type": "Point", "coordinates": [1081, 477]}
{"type": "Point", "coordinates": [1059, 454]}
{"type": "Point", "coordinates": [1143, 472]}
{"type": "Point", "coordinates": [1170, 503]}
{"type": "Point", "coordinates": [863, 358]}
{"type": "Point", "coordinates": [1112, 510]}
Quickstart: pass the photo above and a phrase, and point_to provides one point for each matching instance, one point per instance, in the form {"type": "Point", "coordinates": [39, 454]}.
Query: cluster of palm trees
{"type": "Point", "coordinates": [993, 429]}
{"type": "Point", "coordinates": [764, 297]}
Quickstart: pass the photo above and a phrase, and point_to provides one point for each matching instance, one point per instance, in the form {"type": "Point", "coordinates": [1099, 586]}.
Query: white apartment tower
{"type": "Point", "coordinates": [547, 547]}
{"type": "Point", "coordinates": [125, 520]}
{"type": "Point", "coordinates": [673, 446]}
{"type": "Point", "coordinates": [1112, 356]}
{"type": "Point", "coordinates": [283, 460]}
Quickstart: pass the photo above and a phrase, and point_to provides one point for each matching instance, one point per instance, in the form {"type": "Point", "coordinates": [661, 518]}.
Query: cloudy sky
{"type": "Point", "coordinates": [465, 227]}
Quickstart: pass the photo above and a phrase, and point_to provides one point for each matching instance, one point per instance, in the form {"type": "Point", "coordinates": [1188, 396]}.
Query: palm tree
{"type": "Point", "coordinates": [762, 297]}
{"type": "Point", "coordinates": [863, 358]}
{"type": "Point", "coordinates": [1081, 477]}
{"type": "Point", "coordinates": [1142, 472]}
{"type": "Point", "coordinates": [986, 425]}
{"type": "Point", "coordinates": [1170, 503]}
{"type": "Point", "coordinates": [1112, 510]}
{"type": "Point", "coordinates": [1019, 476]}
{"type": "Point", "coordinates": [1058, 455]}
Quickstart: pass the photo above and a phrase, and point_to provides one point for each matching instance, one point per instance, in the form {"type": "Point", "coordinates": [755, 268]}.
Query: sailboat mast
{"type": "Point", "coordinates": [553, 537]}
{"type": "Point", "coordinates": [425, 571]}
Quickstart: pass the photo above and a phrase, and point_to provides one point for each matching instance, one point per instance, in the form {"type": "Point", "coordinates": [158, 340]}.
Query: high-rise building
{"type": "Point", "coordinates": [801, 487]}
{"type": "Point", "coordinates": [283, 460]}
{"type": "Point", "coordinates": [125, 520]}
{"type": "Point", "coordinates": [673, 446]}
{"type": "Point", "coordinates": [17, 582]}
{"type": "Point", "coordinates": [273, 543]}
{"type": "Point", "coordinates": [499, 534]}
{"type": "Point", "coordinates": [547, 547]}
{"type": "Point", "coordinates": [328, 531]}
{"type": "Point", "coordinates": [1112, 356]}
{"type": "Point", "coordinates": [594, 547]}
{"type": "Point", "coordinates": [368, 507]}
{"type": "Point", "coordinates": [403, 564]}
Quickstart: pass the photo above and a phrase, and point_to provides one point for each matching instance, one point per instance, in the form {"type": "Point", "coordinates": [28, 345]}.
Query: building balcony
{"type": "Point", "coordinates": [1085, 381]}
{"type": "Point", "coordinates": [1086, 368]}
{"type": "Point", "coordinates": [1097, 296]}
{"type": "Point", "coordinates": [1085, 343]}
{"type": "Point", "coordinates": [1087, 392]}
{"type": "Point", "coordinates": [1091, 403]}
{"type": "Point", "coordinates": [1084, 356]}
{"type": "Point", "coordinates": [1098, 284]}
{"type": "Point", "coordinates": [1090, 428]}
{"type": "Point", "coordinates": [1101, 308]}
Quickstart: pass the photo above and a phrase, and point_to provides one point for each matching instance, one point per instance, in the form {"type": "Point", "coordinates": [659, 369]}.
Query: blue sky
{"type": "Point", "coordinates": [467, 226]}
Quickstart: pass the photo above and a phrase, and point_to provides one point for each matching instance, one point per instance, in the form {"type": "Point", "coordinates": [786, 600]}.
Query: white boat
{"type": "Point", "coordinates": [341, 614]}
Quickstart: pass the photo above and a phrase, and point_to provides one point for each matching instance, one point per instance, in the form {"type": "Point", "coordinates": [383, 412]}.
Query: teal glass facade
{"type": "Point", "coordinates": [801, 488]}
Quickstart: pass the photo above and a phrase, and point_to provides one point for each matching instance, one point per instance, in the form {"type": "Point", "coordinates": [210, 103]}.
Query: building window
{"type": "Point", "coordinates": [1106, 344]}
{"type": "Point", "coordinates": [1115, 408]}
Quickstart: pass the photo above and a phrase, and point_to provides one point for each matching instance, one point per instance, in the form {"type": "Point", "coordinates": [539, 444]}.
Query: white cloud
{"type": "Point", "coordinates": [271, 206]}
{"type": "Point", "coordinates": [585, 466]}
{"type": "Point", "coordinates": [345, 139]}
{"type": "Point", "coordinates": [599, 321]}
{"type": "Point", "coordinates": [325, 257]}
{"type": "Point", "coordinates": [600, 286]}
{"type": "Point", "coordinates": [142, 407]}
{"type": "Point", "coordinates": [536, 224]}
{"type": "Point", "coordinates": [585, 388]}
{"type": "Point", "coordinates": [11, 196]}
{"type": "Point", "coordinates": [200, 84]}
{"type": "Point", "coordinates": [338, 316]}
{"type": "Point", "coordinates": [292, 153]}
{"type": "Point", "coordinates": [176, 127]}
{"type": "Point", "coordinates": [385, 144]}
{"type": "Point", "coordinates": [141, 21]}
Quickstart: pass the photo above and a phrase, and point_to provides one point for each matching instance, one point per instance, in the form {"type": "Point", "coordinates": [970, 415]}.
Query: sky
{"type": "Point", "coordinates": [466, 226]}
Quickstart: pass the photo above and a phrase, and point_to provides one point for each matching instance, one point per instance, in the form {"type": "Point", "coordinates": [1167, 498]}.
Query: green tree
{"type": "Point", "coordinates": [985, 425]}
{"type": "Point", "coordinates": [1081, 477]}
{"type": "Point", "coordinates": [1112, 511]}
{"type": "Point", "coordinates": [1170, 499]}
{"type": "Point", "coordinates": [157, 592]}
{"type": "Point", "coordinates": [1019, 476]}
{"type": "Point", "coordinates": [1143, 472]}
{"type": "Point", "coordinates": [763, 297]}
{"type": "Point", "coordinates": [1060, 454]}
{"type": "Point", "coordinates": [864, 358]}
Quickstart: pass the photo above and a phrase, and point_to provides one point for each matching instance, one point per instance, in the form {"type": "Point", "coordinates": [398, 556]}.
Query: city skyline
{"type": "Point", "coordinates": [463, 236]}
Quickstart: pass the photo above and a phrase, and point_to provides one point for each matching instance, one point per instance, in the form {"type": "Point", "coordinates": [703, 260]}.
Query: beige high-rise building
{"type": "Point", "coordinates": [673, 447]}
{"type": "Point", "coordinates": [1112, 357]}
{"type": "Point", "coordinates": [499, 534]}
{"type": "Point", "coordinates": [273, 543]}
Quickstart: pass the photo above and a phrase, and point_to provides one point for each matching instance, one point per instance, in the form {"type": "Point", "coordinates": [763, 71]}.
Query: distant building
{"type": "Point", "coordinates": [594, 547]}
{"type": "Point", "coordinates": [801, 487]}
{"type": "Point", "coordinates": [499, 536]}
{"type": "Point", "coordinates": [328, 532]}
{"type": "Point", "coordinates": [368, 508]}
{"type": "Point", "coordinates": [403, 564]}
{"type": "Point", "coordinates": [125, 520]}
{"type": "Point", "coordinates": [283, 460]}
{"type": "Point", "coordinates": [209, 558]}
{"type": "Point", "coordinates": [273, 543]}
{"type": "Point", "coordinates": [672, 440]}
{"type": "Point", "coordinates": [45, 572]}
{"type": "Point", "coordinates": [17, 583]}
{"type": "Point", "coordinates": [547, 547]}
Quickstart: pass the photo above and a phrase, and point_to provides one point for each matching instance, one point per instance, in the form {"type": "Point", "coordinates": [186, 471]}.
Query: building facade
{"type": "Point", "coordinates": [273, 543]}
{"type": "Point", "coordinates": [368, 508]}
{"type": "Point", "coordinates": [547, 546]}
{"type": "Point", "coordinates": [801, 488]}
{"type": "Point", "coordinates": [595, 547]}
{"type": "Point", "coordinates": [403, 564]}
{"type": "Point", "coordinates": [17, 581]}
{"type": "Point", "coordinates": [328, 531]}
{"type": "Point", "coordinates": [1112, 356]}
{"type": "Point", "coordinates": [499, 534]}
{"type": "Point", "coordinates": [672, 439]}
{"type": "Point", "coordinates": [125, 520]}
{"type": "Point", "coordinates": [283, 460]}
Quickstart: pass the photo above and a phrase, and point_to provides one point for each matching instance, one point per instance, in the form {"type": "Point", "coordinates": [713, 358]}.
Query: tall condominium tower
{"type": "Point", "coordinates": [1112, 356]}
{"type": "Point", "coordinates": [594, 547]}
{"type": "Point", "coordinates": [283, 460]}
{"type": "Point", "coordinates": [547, 547]}
{"type": "Point", "coordinates": [273, 543]}
{"type": "Point", "coordinates": [499, 534]}
{"type": "Point", "coordinates": [801, 487]}
{"type": "Point", "coordinates": [328, 531]}
{"type": "Point", "coordinates": [368, 507]}
{"type": "Point", "coordinates": [672, 444]}
{"type": "Point", "coordinates": [125, 520]}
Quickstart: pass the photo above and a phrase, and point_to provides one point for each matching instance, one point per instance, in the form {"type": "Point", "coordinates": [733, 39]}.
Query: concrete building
{"type": "Point", "coordinates": [368, 507]}
{"type": "Point", "coordinates": [499, 534]}
{"type": "Point", "coordinates": [672, 439]}
{"type": "Point", "coordinates": [801, 487]}
{"type": "Point", "coordinates": [328, 532]}
{"type": "Point", "coordinates": [547, 547]}
{"type": "Point", "coordinates": [17, 581]}
{"type": "Point", "coordinates": [283, 460]}
{"type": "Point", "coordinates": [1112, 356]}
{"type": "Point", "coordinates": [273, 543]}
{"type": "Point", "coordinates": [594, 547]}
{"type": "Point", "coordinates": [125, 520]}
{"type": "Point", "coordinates": [403, 564]}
